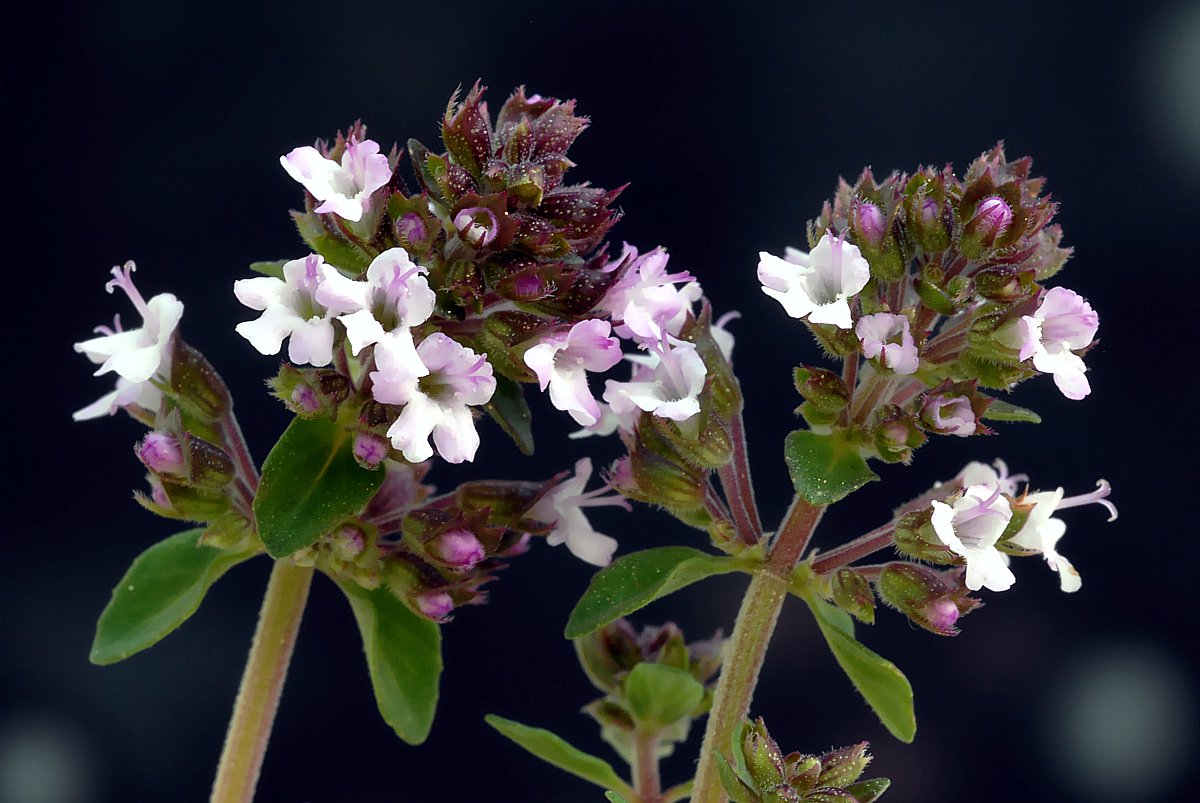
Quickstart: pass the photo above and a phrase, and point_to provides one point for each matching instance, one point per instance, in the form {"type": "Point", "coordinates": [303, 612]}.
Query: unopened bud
{"type": "Point", "coordinates": [764, 761]}
{"type": "Point", "coordinates": [477, 226]}
{"type": "Point", "coordinates": [410, 228]}
{"type": "Point", "coordinates": [930, 226]}
{"type": "Point", "coordinates": [842, 767]}
{"type": "Point", "coordinates": [435, 605]}
{"type": "Point", "coordinates": [348, 542]}
{"type": "Point", "coordinates": [369, 449]}
{"type": "Point", "coordinates": [895, 434]}
{"type": "Point", "coordinates": [304, 400]}
{"type": "Point", "coordinates": [458, 549]}
{"type": "Point", "coordinates": [868, 224]}
{"type": "Point", "coordinates": [852, 593]}
{"type": "Point", "coordinates": [161, 453]}
{"type": "Point", "coordinates": [924, 596]}
{"type": "Point", "coordinates": [1004, 283]}
{"type": "Point", "coordinates": [992, 218]}
{"type": "Point", "coordinates": [824, 390]}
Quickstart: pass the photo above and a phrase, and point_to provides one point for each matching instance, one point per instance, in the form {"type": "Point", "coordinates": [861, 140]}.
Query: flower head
{"type": "Point", "coordinates": [1062, 324]}
{"type": "Point", "coordinates": [562, 359]}
{"type": "Point", "coordinates": [970, 526]}
{"type": "Point", "coordinates": [889, 339]}
{"type": "Point", "coordinates": [1042, 532]}
{"type": "Point", "coordinates": [817, 284]}
{"type": "Point", "coordinates": [135, 355]}
{"type": "Point", "coordinates": [674, 389]}
{"type": "Point", "coordinates": [290, 309]}
{"type": "Point", "coordinates": [646, 299]}
{"type": "Point", "coordinates": [564, 505]}
{"type": "Point", "coordinates": [344, 189]}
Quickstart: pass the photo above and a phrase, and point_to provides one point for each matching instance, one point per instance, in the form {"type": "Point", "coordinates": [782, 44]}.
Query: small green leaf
{"type": "Point", "coordinates": [509, 409]}
{"type": "Point", "coordinates": [883, 686]}
{"type": "Point", "coordinates": [337, 251]}
{"type": "Point", "coordinates": [273, 268]}
{"type": "Point", "coordinates": [737, 789]}
{"type": "Point", "coordinates": [1003, 411]}
{"type": "Point", "coordinates": [636, 580]}
{"type": "Point", "coordinates": [869, 791]}
{"type": "Point", "coordinates": [310, 484]}
{"type": "Point", "coordinates": [404, 657]}
{"type": "Point", "coordinates": [164, 586]}
{"type": "Point", "coordinates": [825, 468]}
{"type": "Point", "coordinates": [661, 695]}
{"type": "Point", "coordinates": [555, 750]}
{"type": "Point", "coordinates": [614, 797]}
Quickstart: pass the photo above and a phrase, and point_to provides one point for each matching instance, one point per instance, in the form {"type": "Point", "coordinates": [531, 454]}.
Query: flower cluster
{"type": "Point", "coordinates": [930, 288]}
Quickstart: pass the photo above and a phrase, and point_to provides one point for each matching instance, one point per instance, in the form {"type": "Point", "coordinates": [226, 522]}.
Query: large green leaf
{"type": "Point", "coordinates": [883, 686]}
{"type": "Point", "coordinates": [310, 484]}
{"type": "Point", "coordinates": [404, 657]}
{"type": "Point", "coordinates": [825, 468]}
{"type": "Point", "coordinates": [555, 750]}
{"type": "Point", "coordinates": [158, 593]}
{"type": "Point", "coordinates": [510, 410]}
{"type": "Point", "coordinates": [661, 695]}
{"type": "Point", "coordinates": [636, 580]}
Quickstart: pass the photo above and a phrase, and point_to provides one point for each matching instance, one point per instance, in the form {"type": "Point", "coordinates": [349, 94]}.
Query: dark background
{"type": "Point", "coordinates": [152, 132]}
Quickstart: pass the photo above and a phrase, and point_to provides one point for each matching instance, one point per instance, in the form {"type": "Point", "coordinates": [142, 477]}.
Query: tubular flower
{"type": "Point", "coordinates": [970, 526]}
{"type": "Point", "coordinates": [1063, 323]}
{"type": "Point", "coordinates": [344, 189]}
{"type": "Point", "coordinates": [646, 300]}
{"type": "Point", "coordinates": [290, 308]}
{"type": "Point", "coordinates": [562, 359]}
{"type": "Point", "coordinates": [888, 338]}
{"type": "Point", "coordinates": [949, 415]}
{"type": "Point", "coordinates": [673, 392]}
{"type": "Point", "coordinates": [1042, 531]}
{"type": "Point", "coordinates": [564, 505]}
{"type": "Point", "coordinates": [382, 310]}
{"type": "Point", "coordinates": [818, 284]}
{"type": "Point", "coordinates": [437, 393]}
{"type": "Point", "coordinates": [135, 355]}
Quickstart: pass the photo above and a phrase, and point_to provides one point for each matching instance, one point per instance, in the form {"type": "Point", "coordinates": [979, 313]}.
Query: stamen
{"type": "Point", "coordinates": [123, 278]}
{"type": "Point", "coordinates": [1098, 496]}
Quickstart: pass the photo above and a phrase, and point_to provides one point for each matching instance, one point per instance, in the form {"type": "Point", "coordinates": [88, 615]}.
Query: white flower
{"type": "Point", "coordinates": [889, 338]}
{"type": "Point", "coordinates": [817, 284]}
{"type": "Point", "coordinates": [722, 336]}
{"type": "Point", "coordinates": [343, 188]}
{"type": "Point", "coordinates": [646, 300]}
{"type": "Point", "coordinates": [976, 473]}
{"type": "Point", "coordinates": [290, 309]}
{"type": "Point", "coordinates": [673, 392]}
{"type": "Point", "coordinates": [564, 505]}
{"type": "Point", "coordinates": [135, 355]}
{"type": "Point", "coordinates": [437, 395]}
{"type": "Point", "coordinates": [382, 310]}
{"type": "Point", "coordinates": [970, 527]}
{"type": "Point", "coordinates": [562, 359]}
{"type": "Point", "coordinates": [1063, 323]}
{"type": "Point", "coordinates": [1042, 532]}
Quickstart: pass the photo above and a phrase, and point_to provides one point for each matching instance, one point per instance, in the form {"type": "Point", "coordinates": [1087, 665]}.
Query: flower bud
{"type": "Point", "coordinates": [196, 384]}
{"type": "Point", "coordinates": [852, 593]}
{"type": "Point", "coordinates": [160, 453]}
{"type": "Point", "coordinates": [868, 224]}
{"type": "Point", "coordinates": [895, 434]}
{"type": "Point", "coordinates": [458, 549]}
{"type": "Point", "coordinates": [824, 390]}
{"type": "Point", "coordinates": [370, 449]}
{"type": "Point", "coordinates": [1004, 283]}
{"type": "Point", "coordinates": [764, 761]}
{"type": "Point", "coordinates": [304, 400]}
{"type": "Point", "coordinates": [993, 216]}
{"type": "Point", "coordinates": [925, 597]}
{"type": "Point", "coordinates": [435, 605]}
{"type": "Point", "coordinates": [916, 538]}
{"type": "Point", "coordinates": [606, 654]}
{"type": "Point", "coordinates": [477, 226]}
{"type": "Point", "coordinates": [410, 228]}
{"type": "Point", "coordinates": [929, 223]}
{"type": "Point", "coordinates": [946, 414]}
{"type": "Point", "coordinates": [802, 771]}
{"type": "Point", "coordinates": [839, 768]}
{"type": "Point", "coordinates": [348, 542]}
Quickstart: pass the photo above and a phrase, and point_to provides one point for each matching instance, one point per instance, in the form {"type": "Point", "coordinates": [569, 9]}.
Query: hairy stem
{"type": "Point", "coordinates": [262, 684]}
{"type": "Point", "coordinates": [645, 766]}
{"type": "Point", "coordinates": [735, 481]}
{"type": "Point", "coordinates": [851, 551]}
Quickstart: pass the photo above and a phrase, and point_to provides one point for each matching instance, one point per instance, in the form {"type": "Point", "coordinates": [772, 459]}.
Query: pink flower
{"type": "Point", "coordinates": [949, 415]}
{"type": "Point", "coordinates": [290, 308]}
{"type": "Point", "coordinates": [564, 505]}
{"type": "Point", "coordinates": [562, 359]}
{"type": "Point", "coordinates": [1062, 324]}
{"type": "Point", "coordinates": [970, 525]}
{"type": "Point", "coordinates": [888, 338]}
{"type": "Point", "coordinates": [673, 391]}
{"type": "Point", "coordinates": [819, 284]}
{"type": "Point", "coordinates": [345, 189]}
{"type": "Point", "coordinates": [646, 300]}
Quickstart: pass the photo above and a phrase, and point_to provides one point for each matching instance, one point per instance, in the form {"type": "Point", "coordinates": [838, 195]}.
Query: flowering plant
{"type": "Point", "coordinates": [423, 305]}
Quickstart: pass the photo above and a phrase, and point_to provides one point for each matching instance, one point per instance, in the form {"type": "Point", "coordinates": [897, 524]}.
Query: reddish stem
{"type": "Point", "coordinates": [860, 547]}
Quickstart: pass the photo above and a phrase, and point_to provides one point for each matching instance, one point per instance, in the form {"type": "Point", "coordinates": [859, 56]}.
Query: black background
{"type": "Point", "coordinates": [152, 132]}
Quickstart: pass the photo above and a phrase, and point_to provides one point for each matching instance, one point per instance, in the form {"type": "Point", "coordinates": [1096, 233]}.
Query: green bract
{"type": "Point", "coordinates": [554, 750]}
{"type": "Point", "coordinates": [660, 695]}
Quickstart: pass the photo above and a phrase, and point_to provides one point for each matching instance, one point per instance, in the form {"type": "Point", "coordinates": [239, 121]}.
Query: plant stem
{"type": "Point", "coordinates": [735, 480]}
{"type": "Point", "coordinates": [262, 683]}
{"type": "Point", "coordinates": [794, 534]}
{"type": "Point", "coordinates": [645, 766]}
{"type": "Point", "coordinates": [739, 674]}
{"type": "Point", "coordinates": [851, 551]}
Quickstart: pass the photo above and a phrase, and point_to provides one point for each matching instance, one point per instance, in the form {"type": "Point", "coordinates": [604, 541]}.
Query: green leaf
{"type": "Point", "coordinates": [636, 580]}
{"type": "Point", "coordinates": [509, 409]}
{"type": "Point", "coordinates": [825, 468]}
{"type": "Point", "coordinates": [737, 789]}
{"type": "Point", "coordinates": [404, 657]}
{"type": "Point", "coordinates": [883, 686]}
{"type": "Point", "coordinates": [337, 251]}
{"type": "Point", "coordinates": [272, 268]}
{"type": "Point", "coordinates": [614, 797]}
{"type": "Point", "coordinates": [999, 410]}
{"type": "Point", "coordinates": [310, 484]}
{"type": "Point", "coordinates": [661, 695]}
{"type": "Point", "coordinates": [158, 593]}
{"type": "Point", "coordinates": [869, 791]}
{"type": "Point", "coordinates": [555, 750]}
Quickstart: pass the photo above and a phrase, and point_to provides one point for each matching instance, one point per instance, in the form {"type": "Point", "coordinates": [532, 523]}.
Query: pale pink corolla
{"type": "Point", "coordinates": [136, 356]}
{"type": "Point", "coordinates": [290, 310]}
{"type": "Point", "coordinates": [818, 284]}
{"type": "Point", "coordinates": [949, 415]}
{"type": "Point", "coordinates": [563, 505]}
{"type": "Point", "coordinates": [970, 526]}
{"type": "Point", "coordinates": [561, 361]}
{"type": "Point", "coordinates": [1062, 324]}
{"type": "Point", "coordinates": [1042, 532]}
{"type": "Point", "coordinates": [382, 310]}
{"type": "Point", "coordinates": [976, 473]}
{"type": "Point", "coordinates": [722, 335]}
{"type": "Point", "coordinates": [437, 403]}
{"type": "Point", "coordinates": [674, 389]}
{"type": "Point", "coordinates": [889, 339]}
{"type": "Point", "coordinates": [646, 299]}
{"type": "Point", "coordinates": [344, 189]}
{"type": "Point", "coordinates": [611, 421]}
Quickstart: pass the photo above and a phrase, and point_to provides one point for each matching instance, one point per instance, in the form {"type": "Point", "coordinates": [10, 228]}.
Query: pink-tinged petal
{"type": "Point", "coordinates": [588, 545]}
{"type": "Point", "coordinates": [455, 435]}
{"type": "Point", "coordinates": [569, 392]}
{"type": "Point", "coordinates": [362, 330]}
{"type": "Point", "coordinates": [101, 349]}
{"type": "Point", "coordinates": [368, 168]}
{"type": "Point", "coordinates": [679, 410]}
{"type": "Point", "coordinates": [346, 208]}
{"type": "Point", "coordinates": [266, 334]}
{"type": "Point", "coordinates": [411, 430]}
{"type": "Point", "coordinates": [1029, 336]}
{"type": "Point", "coordinates": [341, 295]}
{"type": "Point", "coordinates": [311, 343]}
{"type": "Point", "coordinates": [307, 166]}
{"type": "Point", "coordinates": [836, 313]}
{"type": "Point", "coordinates": [1073, 384]}
{"type": "Point", "coordinates": [540, 360]}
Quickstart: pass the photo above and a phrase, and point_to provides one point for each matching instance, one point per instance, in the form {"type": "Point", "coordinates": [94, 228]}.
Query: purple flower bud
{"type": "Point", "coordinates": [369, 449]}
{"type": "Point", "coordinates": [931, 213]}
{"type": "Point", "coordinates": [305, 399]}
{"type": "Point", "coordinates": [159, 496]}
{"type": "Point", "coordinates": [348, 542]}
{"type": "Point", "coordinates": [869, 223]}
{"type": "Point", "coordinates": [161, 454]}
{"type": "Point", "coordinates": [942, 614]}
{"type": "Point", "coordinates": [410, 228]}
{"type": "Point", "coordinates": [435, 605]}
{"type": "Point", "coordinates": [949, 415]}
{"type": "Point", "coordinates": [459, 549]}
{"type": "Point", "coordinates": [992, 218]}
{"type": "Point", "coordinates": [477, 226]}
{"type": "Point", "coordinates": [520, 547]}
